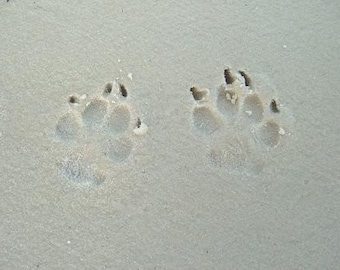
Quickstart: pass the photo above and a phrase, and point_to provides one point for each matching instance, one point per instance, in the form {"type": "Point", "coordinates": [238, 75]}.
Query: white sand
{"type": "Point", "coordinates": [157, 179]}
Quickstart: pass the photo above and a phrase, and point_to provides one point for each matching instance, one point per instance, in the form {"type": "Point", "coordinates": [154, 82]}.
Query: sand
{"type": "Point", "coordinates": [162, 135]}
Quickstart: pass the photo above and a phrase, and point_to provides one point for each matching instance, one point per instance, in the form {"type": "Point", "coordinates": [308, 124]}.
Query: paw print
{"type": "Point", "coordinates": [98, 130]}
{"type": "Point", "coordinates": [242, 125]}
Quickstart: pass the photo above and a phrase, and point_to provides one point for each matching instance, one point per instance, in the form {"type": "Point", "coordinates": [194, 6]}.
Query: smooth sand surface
{"type": "Point", "coordinates": [169, 135]}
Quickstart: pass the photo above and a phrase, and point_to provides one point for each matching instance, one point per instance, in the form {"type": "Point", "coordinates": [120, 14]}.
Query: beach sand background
{"type": "Point", "coordinates": [150, 178]}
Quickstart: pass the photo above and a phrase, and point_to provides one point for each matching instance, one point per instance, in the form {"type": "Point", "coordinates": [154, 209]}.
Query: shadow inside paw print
{"type": "Point", "coordinates": [78, 172]}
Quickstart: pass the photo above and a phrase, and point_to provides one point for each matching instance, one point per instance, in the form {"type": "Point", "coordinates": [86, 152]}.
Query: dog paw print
{"type": "Point", "coordinates": [241, 125]}
{"type": "Point", "coordinates": [100, 129]}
